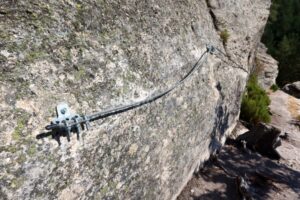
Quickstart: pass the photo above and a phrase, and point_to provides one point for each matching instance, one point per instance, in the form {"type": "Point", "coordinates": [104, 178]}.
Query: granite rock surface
{"type": "Point", "coordinates": [98, 54]}
{"type": "Point", "coordinates": [266, 67]}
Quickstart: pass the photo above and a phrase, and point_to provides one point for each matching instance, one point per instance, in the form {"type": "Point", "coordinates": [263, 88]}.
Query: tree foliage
{"type": "Point", "coordinates": [274, 87]}
{"type": "Point", "coordinates": [282, 37]}
{"type": "Point", "coordinates": [255, 103]}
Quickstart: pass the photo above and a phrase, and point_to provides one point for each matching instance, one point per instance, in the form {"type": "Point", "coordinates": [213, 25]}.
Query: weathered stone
{"type": "Point", "coordinates": [266, 67]}
{"type": "Point", "coordinates": [239, 129]}
{"type": "Point", "coordinates": [264, 139]}
{"type": "Point", "coordinates": [243, 188]}
{"type": "Point", "coordinates": [293, 89]}
{"type": "Point", "coordinates": [97, 54]}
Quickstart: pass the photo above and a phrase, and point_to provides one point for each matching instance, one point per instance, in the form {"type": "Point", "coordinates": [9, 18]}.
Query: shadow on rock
{"type": "Point", "coordinates": [262, 138]}
{"type": "Point", "coordinates": [264, 178]}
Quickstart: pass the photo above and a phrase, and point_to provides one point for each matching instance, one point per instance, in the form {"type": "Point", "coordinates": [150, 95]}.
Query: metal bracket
{"type": "Point", "coordinates": [62, 112]}
{"type": "Point", "coordinates": [210, 48]}
{"type": "Point", "coordinates": [66, 123]}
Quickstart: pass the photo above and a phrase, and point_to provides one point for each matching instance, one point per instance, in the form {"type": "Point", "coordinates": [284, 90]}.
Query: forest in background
{"type": "Point", "coordinates": [282, 37]}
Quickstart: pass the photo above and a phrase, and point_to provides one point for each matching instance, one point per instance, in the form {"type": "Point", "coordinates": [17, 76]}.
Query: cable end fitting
{"type": "Point", "coordinates": [210, 48]}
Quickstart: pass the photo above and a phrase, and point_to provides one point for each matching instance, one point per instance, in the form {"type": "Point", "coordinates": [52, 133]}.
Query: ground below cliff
{"type": "Point", "coordinates": [267, 179]}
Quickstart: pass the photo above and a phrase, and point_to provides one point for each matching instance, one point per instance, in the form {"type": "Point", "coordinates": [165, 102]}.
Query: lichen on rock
{"type": "Point", "coordinates": [97, 54]}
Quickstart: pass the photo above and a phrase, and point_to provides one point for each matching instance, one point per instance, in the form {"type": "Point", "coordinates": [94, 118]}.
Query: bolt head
{"type": "Point", "coordinates": [63, 111]}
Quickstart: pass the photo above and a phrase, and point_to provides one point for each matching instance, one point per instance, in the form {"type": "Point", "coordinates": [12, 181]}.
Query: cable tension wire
{"type": "Point", "coordinates": [67, 123]}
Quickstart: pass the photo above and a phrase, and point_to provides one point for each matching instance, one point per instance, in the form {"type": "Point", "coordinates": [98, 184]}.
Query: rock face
{"type": "Point", "coordinates": [96, 54]}
{"type": "Point", "coordinates": [293, 89]}
{"type": "Point", "coordinates": [266, 67]}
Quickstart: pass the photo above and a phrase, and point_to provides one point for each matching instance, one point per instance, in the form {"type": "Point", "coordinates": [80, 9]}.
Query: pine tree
{"type": "Point", "coordinates": [282, 37]}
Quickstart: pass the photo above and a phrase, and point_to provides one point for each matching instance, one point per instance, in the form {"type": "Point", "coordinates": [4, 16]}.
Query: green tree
{"type": "Point", "coordinates": [285, 47]}
{"type": "Point", "coordinates": [255, 103]}
{"type": "Point", "coordinates": [282, 37]}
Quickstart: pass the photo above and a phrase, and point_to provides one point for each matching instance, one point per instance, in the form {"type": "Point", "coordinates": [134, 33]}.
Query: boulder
{"type": "Point", "coordinates": [293, 89]}
{"type": "Point", "coordinates": [266, 67]}
{"type": "Point", "coordinates": [264, 139]}
{"type": "Point", "coordinates": [239, 129]}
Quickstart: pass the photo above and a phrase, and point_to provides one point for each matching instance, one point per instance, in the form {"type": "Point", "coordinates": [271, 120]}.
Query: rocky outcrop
{"type": "Point", "coordinates": [96, 54]}
{"type": "Point", "coordinates": [262, 138]}
{"type": "Point", "coordinates": [285, 111]}
{"type": "Point", "coordinates": [266, 67]}
{"type": "Point", "coordinates": [293, 89]}
{"type": "Point", "coordinates": [264, 178]}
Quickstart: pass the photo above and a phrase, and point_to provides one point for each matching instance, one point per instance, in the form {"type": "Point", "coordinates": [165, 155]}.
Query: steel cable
{"type": "Point", "coordinates": [124, 108]}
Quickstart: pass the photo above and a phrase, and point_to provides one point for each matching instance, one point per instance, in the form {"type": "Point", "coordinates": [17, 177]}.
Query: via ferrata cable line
{"type": "Point", "coordinates": [66, 123]}
{"type": "Point", "coordinates": [231, 60]}
{"type": "Point", "coordinates": [121, 109]}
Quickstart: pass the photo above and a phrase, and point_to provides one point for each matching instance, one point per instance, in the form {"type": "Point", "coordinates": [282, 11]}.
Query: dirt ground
{"type": "Point", "coordinates": [280, 181]}
{"type": "Point", "coordinates": [266, 178]}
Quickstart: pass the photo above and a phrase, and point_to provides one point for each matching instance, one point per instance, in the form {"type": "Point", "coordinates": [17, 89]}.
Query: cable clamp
{"type": "Point", "coordinates": [210, 49]}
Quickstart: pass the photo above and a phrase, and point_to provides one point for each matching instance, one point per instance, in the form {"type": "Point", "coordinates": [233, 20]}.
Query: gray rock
{"type": "Point", "coordinates": [264, 139]}
{"type": "Point", "coordinates": [293, 89]}
{"type": "Point", "coordinates": [100, 54]}
{"type": "Point", "coordinates": [243, 188]}
{"type": "Point", "coordinates": [239, 129]}
{"type": "Point", "coordinates": [266, 67]}
{"type": "Point", "coordinates": [285, 110]}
